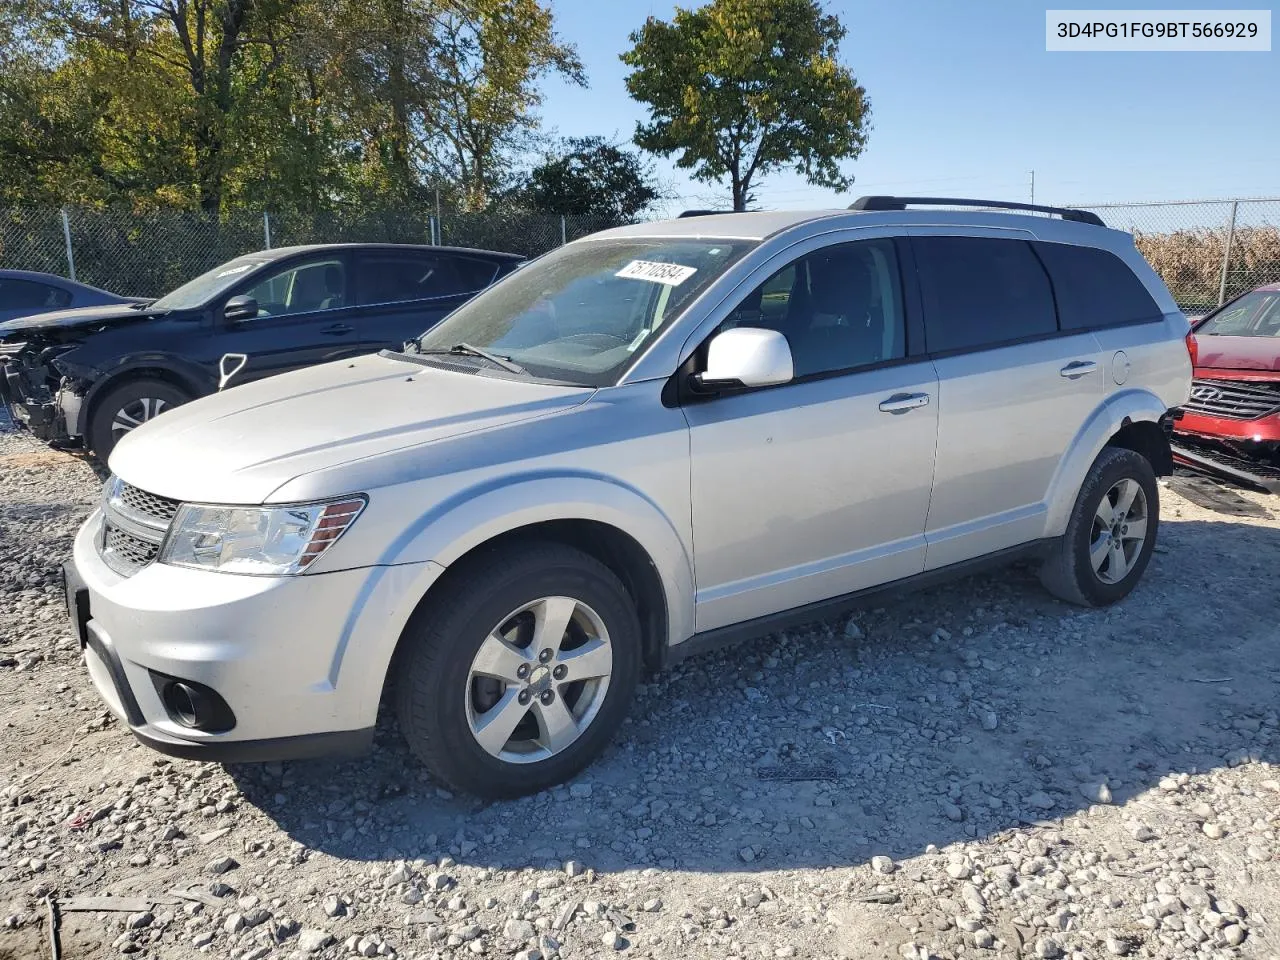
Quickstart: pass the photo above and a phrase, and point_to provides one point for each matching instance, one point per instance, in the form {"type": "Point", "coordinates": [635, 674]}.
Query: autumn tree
{"type": "Point", "coordinates": [738, 89]}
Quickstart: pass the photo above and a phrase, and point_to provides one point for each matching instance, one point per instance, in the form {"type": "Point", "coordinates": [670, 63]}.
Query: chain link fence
{"type": "Point", "coordinates": [1206, 251]}
{"type": "Point", "coordinates": [147, 254]}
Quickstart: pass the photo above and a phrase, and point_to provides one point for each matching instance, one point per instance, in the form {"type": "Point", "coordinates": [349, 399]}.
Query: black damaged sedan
{"type": "Point", "coordinates": [86, 377]}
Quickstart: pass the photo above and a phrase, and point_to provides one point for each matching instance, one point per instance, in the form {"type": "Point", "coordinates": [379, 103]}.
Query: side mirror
{"type": "Point", "coordinates": [747, 357]}
{"type": "Point", "coordinates": [240, 308]}
{"type": "Point", "coordinates": [229, 366]}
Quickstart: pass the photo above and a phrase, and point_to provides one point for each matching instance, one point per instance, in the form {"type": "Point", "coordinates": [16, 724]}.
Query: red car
{"type": "Point", "coordinates": [1232, 419]}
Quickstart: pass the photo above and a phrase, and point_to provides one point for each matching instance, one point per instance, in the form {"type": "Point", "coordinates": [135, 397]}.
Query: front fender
{"type": "Point", "coordinates": [1133, 406]}
{"type": "Point", "coordinates": [189, 375]}
{"type": "Point", "coordinates": [415, 560]}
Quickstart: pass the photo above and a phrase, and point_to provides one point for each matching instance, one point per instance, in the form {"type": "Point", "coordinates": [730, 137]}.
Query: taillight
{"type": "Point", "coordinates": [1193, 348]}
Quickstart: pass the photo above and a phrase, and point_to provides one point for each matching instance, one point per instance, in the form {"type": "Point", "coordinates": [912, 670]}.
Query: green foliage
{"type": "Point", "coordinates": [591, 176]}
{"type": "Point", "coordinates": [740, 88]}
{"type": "Point", "coordinates": [293, 105]}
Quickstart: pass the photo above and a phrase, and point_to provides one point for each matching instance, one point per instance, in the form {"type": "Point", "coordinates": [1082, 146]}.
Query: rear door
{"type": "Point", "coordinates": [403, 293]}
{"type": "Point", "coordinates": [1013, 389]}
{"type": "Point", "coordinates": [306, 315]}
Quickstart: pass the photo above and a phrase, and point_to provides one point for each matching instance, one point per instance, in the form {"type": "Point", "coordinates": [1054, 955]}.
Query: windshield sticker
{"type": "Point", "coordinates": [672, 274]}
{"type": "Point", "coordinates": [638, 340]}
{"type": "Point", "coordinates": [231, 271]}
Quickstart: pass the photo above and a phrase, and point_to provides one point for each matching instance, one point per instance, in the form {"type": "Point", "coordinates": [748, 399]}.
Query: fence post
{"type": "Point", "coordinates": [66, 237]}
{"type": "Point", "coordinates": [431, 231]}
{"type": "Point", "coordinates": [266, 228]}
{"type": "Point", "coordinates": [1226, 256]}
{"type": "Point", "coordinates": [563, 241]}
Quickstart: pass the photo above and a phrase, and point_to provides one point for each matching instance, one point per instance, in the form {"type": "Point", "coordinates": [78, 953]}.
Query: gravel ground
{"type": "Point", "coordinates": [974, 771]}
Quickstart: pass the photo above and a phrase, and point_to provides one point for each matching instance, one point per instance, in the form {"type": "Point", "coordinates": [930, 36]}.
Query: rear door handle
{"type": "Point", "coordinates": [336, 329]}
{"type": "Point", "coordinates": [1077, 369]}
{"type": "Point", "coordinates": [902, 402]}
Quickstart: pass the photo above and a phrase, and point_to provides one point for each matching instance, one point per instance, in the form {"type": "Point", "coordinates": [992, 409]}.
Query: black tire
{"type": "Point", "coordinates": [441, 642]}
{"type": "Point", "coordinates": [1068, 573]}
{"type": "Point", "coordinates": [102, 435]}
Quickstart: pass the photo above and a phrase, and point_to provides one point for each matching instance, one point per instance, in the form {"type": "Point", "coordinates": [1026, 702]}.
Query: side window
{"type": "Point", "coordinates": [302, 288]}
{"type": "Point", "coordinates": [1094, 288]}
{"type": "Point", "coordinates": [475, 275]}
{"type": "Point", "coordinates": [982, 291]}
{"type": "Point", "coordinates": [839, 308]}
{"type": "Point", "coordinates": [29, 295]}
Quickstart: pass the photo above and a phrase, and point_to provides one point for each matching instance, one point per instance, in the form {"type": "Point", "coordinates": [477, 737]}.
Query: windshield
{"type": "Point", "coordinates": [198, 292]}
{"type": "Point", "coordinates": [1255, 314]}
{"type": "Point", "coordinates": [583, 312]}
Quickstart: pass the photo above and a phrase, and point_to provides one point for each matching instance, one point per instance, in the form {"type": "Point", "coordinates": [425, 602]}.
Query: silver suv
{"type": "Point", "coordinates": [643, 444]}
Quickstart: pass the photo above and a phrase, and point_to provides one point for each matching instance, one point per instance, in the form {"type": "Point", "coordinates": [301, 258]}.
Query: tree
{"type": "Point", "coordinates": [591, 176]}
{"type": "Point", "coordinates": [741, 88]}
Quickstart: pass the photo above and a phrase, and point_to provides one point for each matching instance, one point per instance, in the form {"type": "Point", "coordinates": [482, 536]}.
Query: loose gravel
{"type": "Point", "coordinates": [970, 772]}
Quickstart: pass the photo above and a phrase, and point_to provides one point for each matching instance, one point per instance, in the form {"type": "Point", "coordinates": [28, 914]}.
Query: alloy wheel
{"type": "Point", "coordinates": [1119, 529]}
{"type": "Point", "coordinates": [135, 414]}
{"type": "Point", "coordinates": [538, 680]}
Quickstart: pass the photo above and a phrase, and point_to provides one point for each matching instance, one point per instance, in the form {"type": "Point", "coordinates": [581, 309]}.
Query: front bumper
{"type": "Point", "coordinates": [298, 661]}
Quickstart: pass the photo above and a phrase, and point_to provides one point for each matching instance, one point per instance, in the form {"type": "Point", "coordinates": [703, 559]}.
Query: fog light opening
{"type": "Point", "coordinates": [183, 702]}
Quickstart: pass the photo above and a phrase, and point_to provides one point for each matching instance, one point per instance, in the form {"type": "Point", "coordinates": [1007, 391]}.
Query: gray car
{"type": "Point", "coordinates": [647, 443]}
{"type": "Point", "coordinates": [24, 293]}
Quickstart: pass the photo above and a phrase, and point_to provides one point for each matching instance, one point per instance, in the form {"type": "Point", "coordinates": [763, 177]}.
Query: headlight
{"type": "Point", "coordinates": [257, 540]}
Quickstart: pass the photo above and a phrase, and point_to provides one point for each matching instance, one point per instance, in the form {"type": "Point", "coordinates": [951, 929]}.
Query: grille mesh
{"type": "Point", "coordinates": [127, 550]}
{"type": "Point", "coordinates": [1234, 399]}
{"type": "Point", "coordinates": [148, 504]}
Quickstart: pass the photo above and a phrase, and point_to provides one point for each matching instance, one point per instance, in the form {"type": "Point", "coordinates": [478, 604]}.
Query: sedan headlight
{"type": "Point", "coordinates": [257, 540]}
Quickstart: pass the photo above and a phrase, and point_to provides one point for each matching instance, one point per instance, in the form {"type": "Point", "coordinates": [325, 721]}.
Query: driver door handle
{"type": "Point", "coordinates": [337, 329]}
{"type": "Point", "coordinates": [902, 402]}
{"type": "Point", "coordinates": [1077, 369]}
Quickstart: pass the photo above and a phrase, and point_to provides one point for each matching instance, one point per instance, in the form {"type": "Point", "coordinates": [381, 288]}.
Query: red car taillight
{"type": "Point", "coordinates": [1193, 348]}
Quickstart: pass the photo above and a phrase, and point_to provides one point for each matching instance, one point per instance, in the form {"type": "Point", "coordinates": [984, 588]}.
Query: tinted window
{"type": "Point", "coordinates": [29, 295]}
{"type": "Point", "coordinates": [839, 308]}
{"type": "Point", "coordinates": [302, 288]}
{"type": "Point", "coordinates": [1255, 314]}
{"type": "Point", "coordinates": [1095, 288]}
{"type": "Point", "coordinates": [980, 291]}
{"type": "Point", "coordinates": [393, 277]}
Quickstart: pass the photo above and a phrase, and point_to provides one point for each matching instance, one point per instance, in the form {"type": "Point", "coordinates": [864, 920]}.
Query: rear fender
{"type": "Point", "coordinates": [1126, 406]}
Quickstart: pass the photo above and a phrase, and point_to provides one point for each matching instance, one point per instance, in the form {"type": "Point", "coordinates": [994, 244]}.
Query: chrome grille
{"type": "Point", "coordinates": [134, 525]}
{"type": "Point", "coordinates": [148, 504]}
{"type": "Point", "coordinates": [1234, 399]}
{"type": "Point", "coordinates": [124, 552]}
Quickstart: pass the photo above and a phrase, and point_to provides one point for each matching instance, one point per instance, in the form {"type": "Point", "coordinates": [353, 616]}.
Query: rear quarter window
{"type": "Point", "coordinates": [1095, 288]}
{"type": "Point", "coordinates": [982, 292]}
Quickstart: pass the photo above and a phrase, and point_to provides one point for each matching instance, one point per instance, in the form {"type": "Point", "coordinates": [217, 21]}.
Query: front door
{"type": "Point", "coordinates": [818, 487]}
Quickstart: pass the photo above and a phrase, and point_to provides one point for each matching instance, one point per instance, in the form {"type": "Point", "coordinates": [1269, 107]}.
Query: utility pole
{"type": "Point", "coordinates": [1033, 186]}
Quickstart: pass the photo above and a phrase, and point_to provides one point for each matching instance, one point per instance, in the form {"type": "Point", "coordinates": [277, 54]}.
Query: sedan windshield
{"type": "Point", "coordinates": [584, 312]}
{"type": "Point", "coordinates": [1255, 314]}
{"type": "Point", "coordinates": [198, 292]}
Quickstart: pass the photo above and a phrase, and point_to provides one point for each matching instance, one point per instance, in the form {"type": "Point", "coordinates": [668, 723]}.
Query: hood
{"type": "Point", "coordinates": [77, 317]}
{"type": "Point", "coordinates": [1238, 353]}
{"type": "Point", "coordinates": [241, 445]}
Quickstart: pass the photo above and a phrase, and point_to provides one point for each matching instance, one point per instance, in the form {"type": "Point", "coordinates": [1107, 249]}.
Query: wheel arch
{"type": "Point", "coordinates": [1129, 419]}
{"type": "Point", "coordinates": [142, 370]}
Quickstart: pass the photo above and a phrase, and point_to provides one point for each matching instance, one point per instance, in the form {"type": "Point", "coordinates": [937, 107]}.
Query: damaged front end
{"type": "Point", "coordinates": [39, 392]}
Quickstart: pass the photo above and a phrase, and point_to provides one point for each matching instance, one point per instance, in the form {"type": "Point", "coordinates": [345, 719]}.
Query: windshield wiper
{"type": "Point", "coordinates": [506, 363]}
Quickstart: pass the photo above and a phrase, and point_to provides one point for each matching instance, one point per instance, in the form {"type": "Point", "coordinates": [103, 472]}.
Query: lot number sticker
{"type": "Point", "coordinates": [672, 274]}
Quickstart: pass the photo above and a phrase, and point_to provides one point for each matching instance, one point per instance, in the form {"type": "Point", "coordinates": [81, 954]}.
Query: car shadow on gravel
{"type": "Point", "coordinates": [962, 712]}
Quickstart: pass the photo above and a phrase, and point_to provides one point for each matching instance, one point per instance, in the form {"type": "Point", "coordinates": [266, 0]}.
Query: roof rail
{"type": "Point", "coordinates": [901, 203]}
{"type": "Point", "coordinates": [701, 213]}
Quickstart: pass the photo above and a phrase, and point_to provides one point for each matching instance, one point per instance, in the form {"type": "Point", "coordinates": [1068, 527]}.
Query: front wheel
{"type": "Point", "coordinates": [520, 672]}
{"type": "Point", "coordinates": [123, 408]}
{"type": "Point", "coordinates": [1111, 533]}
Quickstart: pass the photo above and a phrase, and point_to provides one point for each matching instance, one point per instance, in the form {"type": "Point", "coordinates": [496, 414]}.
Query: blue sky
{"type": "Point", "coordinates": [967, 102]}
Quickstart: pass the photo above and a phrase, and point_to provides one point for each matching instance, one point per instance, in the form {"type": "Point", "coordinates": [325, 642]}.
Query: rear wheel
{"type": "Point", "coordinates": [1111, 533]}
{"type": "Point", "coordinates": [520, 673]}
{"type": "Point", "coordinates": [126, 407]}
